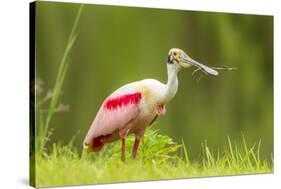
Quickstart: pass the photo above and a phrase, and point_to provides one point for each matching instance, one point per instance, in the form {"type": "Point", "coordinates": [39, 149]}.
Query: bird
{"type": "Point", "coordinates": [135, 106]}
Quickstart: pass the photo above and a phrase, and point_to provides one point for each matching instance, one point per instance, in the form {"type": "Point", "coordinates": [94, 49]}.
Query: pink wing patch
{"type": "Point", "coordinates": [124, 100]}
{"type": "Point", "coordinates": [115, 113]}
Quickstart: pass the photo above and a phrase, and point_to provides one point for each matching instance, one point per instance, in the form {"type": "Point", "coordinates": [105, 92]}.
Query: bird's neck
{"type": "Point", "coordinates": [172, 84]}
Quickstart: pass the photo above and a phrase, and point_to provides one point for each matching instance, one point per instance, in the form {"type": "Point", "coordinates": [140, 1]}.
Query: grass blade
{"type": "Point", "coordinates": [185, 152]}
{"type": "Point", "coordinates": [62, 72]}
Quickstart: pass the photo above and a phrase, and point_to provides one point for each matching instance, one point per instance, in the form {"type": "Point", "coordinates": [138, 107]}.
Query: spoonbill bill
{"type": "Point", "coordinates": [134, 106]}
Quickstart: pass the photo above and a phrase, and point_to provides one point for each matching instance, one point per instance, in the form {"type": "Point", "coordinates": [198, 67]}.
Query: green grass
{"type": "Point", "coordinates": [159, 158]}
{"type": "Point", "coordinates": [42, 132]}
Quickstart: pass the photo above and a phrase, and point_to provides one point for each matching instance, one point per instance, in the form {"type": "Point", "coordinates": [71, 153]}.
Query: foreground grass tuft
{"type": "Point", "coordinates": [159, 158]}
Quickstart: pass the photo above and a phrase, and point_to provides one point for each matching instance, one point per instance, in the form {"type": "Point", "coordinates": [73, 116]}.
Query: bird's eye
{"type": "Point", "coordinates": [174, 53]}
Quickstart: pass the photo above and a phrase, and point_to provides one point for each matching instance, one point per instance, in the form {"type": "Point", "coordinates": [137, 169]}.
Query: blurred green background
{"type": "Point", "coordinates": [117, 45]}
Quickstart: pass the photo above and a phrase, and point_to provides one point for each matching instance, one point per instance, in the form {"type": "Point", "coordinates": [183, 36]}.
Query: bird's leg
{"type": "Point", "coordinates": [135, 149]}
{"type": "Point", "coordinates": [160, 109]}
{"type": "Point", "coordinates": [139, 135]}
{"type": "Point", "coordinates": [123, 134]}
{"type": "Point", "coordinates": [123, 155]}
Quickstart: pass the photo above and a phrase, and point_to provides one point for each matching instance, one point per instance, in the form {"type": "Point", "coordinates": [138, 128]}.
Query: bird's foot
{"type": "Point", "coordinates": [160, 109]}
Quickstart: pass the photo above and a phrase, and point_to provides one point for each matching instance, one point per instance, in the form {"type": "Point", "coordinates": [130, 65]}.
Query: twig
{"type": "Point", "coordinates": [195, 71]}
{"type": "Point", "coordinates": [199, 78]}
{"type": "Point", "coordinates": [224, 68]}
{"type": "Point", "coordinates": [215, 68]}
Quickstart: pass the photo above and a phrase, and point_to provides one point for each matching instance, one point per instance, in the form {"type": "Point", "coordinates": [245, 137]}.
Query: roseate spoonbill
{"type": "Point", "coordinates": [135, 106]}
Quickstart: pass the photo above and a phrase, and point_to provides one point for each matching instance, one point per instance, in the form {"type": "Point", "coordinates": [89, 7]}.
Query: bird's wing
{"type": "Point", "coordinates": [116, 111]}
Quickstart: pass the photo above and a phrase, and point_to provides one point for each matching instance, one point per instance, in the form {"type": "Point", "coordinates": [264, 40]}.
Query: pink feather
{"type": "Point", "coordinates": [114, 114]}
{"type": "Point", "coordinates": [124, 100]}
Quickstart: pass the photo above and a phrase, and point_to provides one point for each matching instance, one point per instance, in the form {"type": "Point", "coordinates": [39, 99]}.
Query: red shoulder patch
{"type": "Point", "coordinates": [113, 103]}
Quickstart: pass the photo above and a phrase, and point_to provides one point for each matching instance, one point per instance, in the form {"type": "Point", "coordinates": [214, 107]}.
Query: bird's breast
{"type": "Point", "coordinates": [151, 98]}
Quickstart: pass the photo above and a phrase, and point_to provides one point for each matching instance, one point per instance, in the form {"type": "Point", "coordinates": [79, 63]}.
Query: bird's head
{"type": "Point", "coordinates": [180, 59]}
